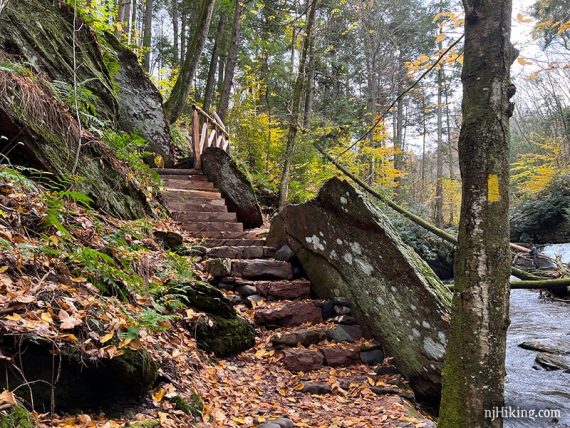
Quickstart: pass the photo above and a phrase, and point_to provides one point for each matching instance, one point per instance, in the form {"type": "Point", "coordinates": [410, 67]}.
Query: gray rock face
{"type": "Point", "coordinates": [552, 362]}
{"type": "Point", "coordinates": [345, 333]}
{"type": "Point", "coordinates": [140, 104]}
{"type": "Point", "coordinates": [234, 186]}
{"type": "Point", "coordinates": [348, 248]}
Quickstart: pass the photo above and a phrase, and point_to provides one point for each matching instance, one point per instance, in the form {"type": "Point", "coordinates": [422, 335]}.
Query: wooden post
{"type": "Point", "coordinates": [196, 140]}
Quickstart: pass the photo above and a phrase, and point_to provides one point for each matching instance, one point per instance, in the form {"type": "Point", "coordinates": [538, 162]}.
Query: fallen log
{"type": "Point", "coordinates": [530, 279]}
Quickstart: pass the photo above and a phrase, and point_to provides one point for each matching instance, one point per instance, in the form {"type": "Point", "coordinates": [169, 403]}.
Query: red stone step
{"type": "Point", "coordinates": [180, 195]}
{"type": "Point", "coordinates": [212, 226]}
{"type": "Point", "coordinates": [185, 217]}
{"type": "Point", "coordinates": [178, 171]}
{"type": "Point", "coordinates": [222, 242]}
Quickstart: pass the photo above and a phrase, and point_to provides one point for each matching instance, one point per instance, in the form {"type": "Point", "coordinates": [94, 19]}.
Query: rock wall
{"type": "Point", "coordinates": [349, 249]}
{"type": "Point", "coordinates": [113, 87]}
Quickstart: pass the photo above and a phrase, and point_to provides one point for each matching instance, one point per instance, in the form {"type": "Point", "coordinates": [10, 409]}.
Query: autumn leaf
{"type": "Point", "coordinates": [67, 321]}
{"type": "Point", "coordinates": [46, 317]}
{"type": "Point", "coordinates": [7, 397]}
{"type": "Point", "coordinates": [108, 337]}
{"type": "Point", "coordinates": [522, 19]}
{"type": "Point", "coordinates": [158, 395]}
{"type": "Point", "coordinates": [523, 61]}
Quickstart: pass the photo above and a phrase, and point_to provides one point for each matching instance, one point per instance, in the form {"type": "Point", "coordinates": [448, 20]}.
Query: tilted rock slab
{"type": "Point", "coordinates": [348, 248]}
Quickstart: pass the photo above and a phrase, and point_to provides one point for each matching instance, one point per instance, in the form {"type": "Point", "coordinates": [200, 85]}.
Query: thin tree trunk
{"type": "Point", "coordinates": [424, 160]}
{"type": "Point", "coordinates": [438, 214]}
{"type": "Point", "coordinates": [296, 108]}
{"type": "Point", "coordinates": [175, 32]}
{"type": "Point", "coordinates": [183, 34]}
{"type": "Point", "coordinates": [147, 34]}
{"type": "Point", "coordinates": [474, 372]}
{"type": "Point", "coordinates": [231, 62]}
{"type": "Point", "coordinates": [123, 17]}
{"type": "Point", "coordinates": [177, 101]}
{"type": "Point", "coordinates": [449, 149]}
{"type": "Point", "coordinates": [398, 141]}
{"type": "Point", "coordinates": [133, 23]}
{"type": "Point", "coordinates": [211, 83]}
{"type": "Point", "coordinates": [310, 92]}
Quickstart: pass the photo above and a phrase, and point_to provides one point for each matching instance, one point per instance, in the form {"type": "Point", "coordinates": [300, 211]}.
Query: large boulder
{"type": "Point", "coordinates": [140, 104]}
{"type": "Point", "coordinates": [112, 86]}
{"type": "Point", "coordinates": [348, 248]}
{"type": "Point", "coordinates": [234, 186]}
{"type": "Point", "coordinates": [41, 133]}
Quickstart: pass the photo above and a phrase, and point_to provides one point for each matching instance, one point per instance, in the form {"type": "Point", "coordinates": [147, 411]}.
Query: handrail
{"type": "Point", "coordinates": [207, 131]}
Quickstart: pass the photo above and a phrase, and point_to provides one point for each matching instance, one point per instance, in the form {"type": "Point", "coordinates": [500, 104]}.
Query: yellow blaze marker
{"type": "Point", "coordinates": [493, 188]}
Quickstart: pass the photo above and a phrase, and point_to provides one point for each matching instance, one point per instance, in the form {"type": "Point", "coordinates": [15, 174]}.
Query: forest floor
{"type": "Point", "coordinates": [49, 289]}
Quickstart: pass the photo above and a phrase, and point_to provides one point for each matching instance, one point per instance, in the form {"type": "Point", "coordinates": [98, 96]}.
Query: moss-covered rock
{"type": "Point", "coordinates": [16, 416]}
{"type": "Point", "coordinates": [82, 383]}
{"type": "Point", "coordinates": [234, 186]}
{"type": "Point", "coordinates": [149, 423]}
{"type": "Point", "coordinates": [194, 407]}
{"type": "Point", "coordinates": [348, 248]}
{"type": "Point", "coordinates": [225, 336]}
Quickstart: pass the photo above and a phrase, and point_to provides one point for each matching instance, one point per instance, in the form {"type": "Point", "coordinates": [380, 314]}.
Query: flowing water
{"type": "Point", "coordinates": [527, 388]}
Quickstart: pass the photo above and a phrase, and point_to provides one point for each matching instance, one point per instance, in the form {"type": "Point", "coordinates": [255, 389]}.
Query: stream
{"type": "Point", "coordinates": [536, 319]}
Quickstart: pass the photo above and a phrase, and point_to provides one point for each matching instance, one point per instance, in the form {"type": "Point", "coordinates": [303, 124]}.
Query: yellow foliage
{"type": "Point", "coordinates": [534, 171]}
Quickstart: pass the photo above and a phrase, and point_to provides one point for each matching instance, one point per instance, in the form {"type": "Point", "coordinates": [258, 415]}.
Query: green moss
{"type": "Point", "coordinates": [195, 407]}
{"type": "Point", "coordinates": [17, 417]}
{"type": "Point", "coordinates": [149, 423]}
{"type": "Point", "coordinates": [226, 336]}
{"type": "Point", "coordinates": [135, 369]}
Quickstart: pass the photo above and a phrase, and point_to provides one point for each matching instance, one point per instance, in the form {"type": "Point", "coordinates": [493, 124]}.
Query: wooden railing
{"type": "Point", "coordinates": [207, 131]}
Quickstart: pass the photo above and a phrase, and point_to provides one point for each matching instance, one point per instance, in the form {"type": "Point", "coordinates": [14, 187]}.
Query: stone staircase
{"type": "Point", "coordinates": [268, 286]}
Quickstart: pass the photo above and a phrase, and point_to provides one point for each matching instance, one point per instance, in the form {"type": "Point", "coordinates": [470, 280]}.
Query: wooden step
{"type": "Point", "coordinates": [212, 226]}
{"type": "Point", "coordinates": [178, 171]}
{"type": "Point", "coordinates": [190, 194]}
{"type": "Point", "coordinates": [247, 252]}
{"type": "Point", "coordinates": [191, 207]}
{"type": "Point", "coordinates": [189, 185]}
{"type": "Point", "coordinates": [221, 242]}
{"type": "Point", "coordinates": [185, 178]}
{"type": "Point", "coordinates": [223, 235]}
{"type": "Point", "coordinates": [185, 217]}
{"type": "Point", "coordinates": [186, 205]}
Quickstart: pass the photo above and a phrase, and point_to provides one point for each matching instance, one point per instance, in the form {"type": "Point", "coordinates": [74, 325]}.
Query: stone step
{"type": "Point", "coordinates": [224, 235]}
{"type": "Point", "coordinates": [247, 252]}
{"type": "Point", "coordinates": [332, 355]}
{"type": "Point", "coordinates": [223, 242]}
{"type": "Point", "coordinates": [185, 178]}
{"type": "Point", "coordinates": [189, 185]}
{"type": "Point", "coordinates": [187, 217]}
{"type": "Point", "coordinates": [212, 226]}
{"type": "Point", "coordinates": [178, 171]}
{"type": "Point", "coordinates": [254, 268]}
{"type": "Point", "coordinates": [189, 208]}
{"type": "Point", "coordinates": [184, 195]}
{"type": "Point", "coordinates": [288, 314]}
{"type": "Point", "coordinates": [284, 290]}
{"type": "Point", "coordinates": [262, 268]}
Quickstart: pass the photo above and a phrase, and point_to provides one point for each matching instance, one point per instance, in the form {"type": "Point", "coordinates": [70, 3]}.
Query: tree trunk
{"type": "Point", "coordinates": [474, 372]}
{"type": "Point", "coordinates": [398, 140]}
{"type": "Point", "coordinates": [133, 22]}
{"type": "Point", "coordinates": [211, 83]}
{"type": "Point", "coordinates": [183, 34]}
{"type": "Point", "coordinates": [123, 17]}
{"type": "Point", "coordinates": [177, 101]}
{"type": "Point", "coordinates": [296, 109]}
{"type": "Point", "coordinates": [147, 34]}
{"type": "Point", "coordinates": [438, 213]}
{"type": "Point", "coordinates": [231, 62]}
{"type": "Point", "coordinates": [175, 33]}
{"type": "Point", "coordinates": [310, 92]}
